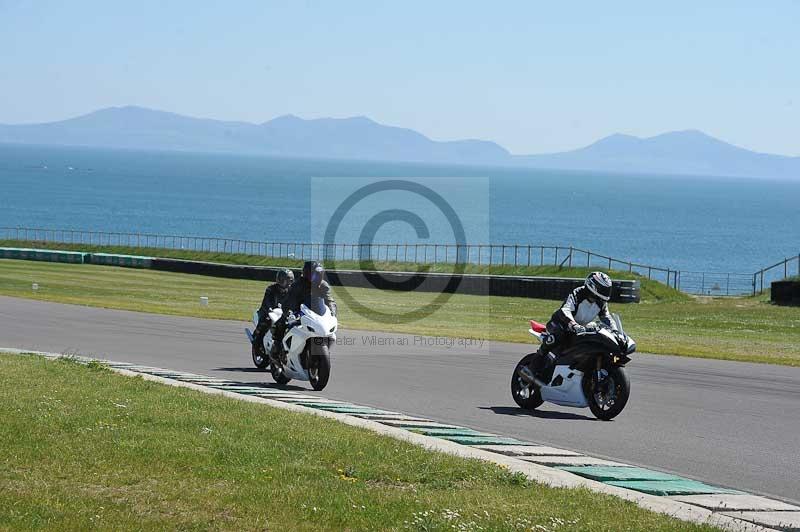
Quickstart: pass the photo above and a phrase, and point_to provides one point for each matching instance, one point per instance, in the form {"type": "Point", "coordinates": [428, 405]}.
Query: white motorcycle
{"type": "Point", "coordinates": [305, 351]}
{"type": "Point", "coordinates": [589, 371]}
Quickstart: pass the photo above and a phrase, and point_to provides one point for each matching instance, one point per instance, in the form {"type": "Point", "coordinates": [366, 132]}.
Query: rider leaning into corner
{"type": "Point", "coordinates": [574, 318]}
{"type": "Point", "coordinates": [273, 296]}
{"type": "Point", "coordinates": [310, 285]}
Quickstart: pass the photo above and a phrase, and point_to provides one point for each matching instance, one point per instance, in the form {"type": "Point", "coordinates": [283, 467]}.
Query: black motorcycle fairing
{"type": "Point", "coordinates": [582, 351]}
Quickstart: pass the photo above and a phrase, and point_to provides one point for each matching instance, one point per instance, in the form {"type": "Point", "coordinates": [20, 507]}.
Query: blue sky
{"type": "Point", "coordinates": [534, 76]}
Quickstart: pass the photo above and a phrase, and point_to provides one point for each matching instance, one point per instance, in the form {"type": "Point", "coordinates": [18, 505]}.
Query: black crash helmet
{"type": "Point", "coordinates": [285, 278]}
{"type": "Point", "coordinates": [313, 272]}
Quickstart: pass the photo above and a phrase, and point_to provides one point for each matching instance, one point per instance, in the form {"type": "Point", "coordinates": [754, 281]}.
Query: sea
{"type": "Point", "coordinates": [680, 222]}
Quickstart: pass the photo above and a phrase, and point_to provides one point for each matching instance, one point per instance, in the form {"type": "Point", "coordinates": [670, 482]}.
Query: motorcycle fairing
{"type": "Point", "coordinates": [310, 325]}
{"type": "Point", "coordinates": [570, 390]}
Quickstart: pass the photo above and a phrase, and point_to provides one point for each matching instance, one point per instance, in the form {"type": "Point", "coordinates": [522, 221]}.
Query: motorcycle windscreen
{"type": "Point", "coordinates": [618, 321]}
{"type": "Point", "coordinates": [315, 304]}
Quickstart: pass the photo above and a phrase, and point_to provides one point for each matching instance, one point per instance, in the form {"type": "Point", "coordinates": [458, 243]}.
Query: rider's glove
{"type": "Point", "coordinates": [578, 329]}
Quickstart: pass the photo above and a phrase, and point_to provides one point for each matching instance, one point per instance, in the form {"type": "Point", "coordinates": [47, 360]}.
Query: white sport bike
{"type": "Point", "coordinates": [305, 353]}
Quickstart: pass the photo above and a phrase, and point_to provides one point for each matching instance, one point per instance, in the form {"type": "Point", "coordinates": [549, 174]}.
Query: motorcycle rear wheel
{"type": "Point", "coordinates": [527, 396]}
{"type": "Point", "coordinates": [260, 358]}
{"type": "Point", "coordinates": [603, 404]}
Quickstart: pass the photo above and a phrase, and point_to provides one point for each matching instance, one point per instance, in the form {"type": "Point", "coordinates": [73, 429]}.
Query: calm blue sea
{"type": "Point", "coordinates": [689, 223]}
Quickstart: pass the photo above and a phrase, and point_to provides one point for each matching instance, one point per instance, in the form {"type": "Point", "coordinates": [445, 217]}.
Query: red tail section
{"type": "Point", "coordinates": [537, 327]}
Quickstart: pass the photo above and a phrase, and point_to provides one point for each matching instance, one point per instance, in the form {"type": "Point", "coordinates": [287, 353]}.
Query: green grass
{"type": "Point", "coordinates": [651, 290]}
{"type": "Point", "coordinates": [746, 329]}
{"type": "Point", "coordinates": [84, 448]}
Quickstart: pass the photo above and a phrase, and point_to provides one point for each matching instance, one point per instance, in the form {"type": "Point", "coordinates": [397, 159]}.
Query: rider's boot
{"type": "Point", "coordinates": [277, 341]}
{"type": "Point", "coordinates": [258, 333]}
{"type": "Point", "coordinates": [546, 373]}
{"type": "Point", "coordinates": [544, 364]}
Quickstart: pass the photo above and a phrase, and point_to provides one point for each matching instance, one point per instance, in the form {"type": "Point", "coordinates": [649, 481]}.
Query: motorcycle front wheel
{"type": "Point", "coordinates": [319, 364]}
{"type": "Point", "coordinates": [527, 396]}
{"type": "Point", "coordinates": [607, 397]}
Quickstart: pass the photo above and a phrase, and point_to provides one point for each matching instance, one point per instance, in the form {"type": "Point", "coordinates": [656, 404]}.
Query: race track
{"type": "Point", "coordinates": [732, 424]}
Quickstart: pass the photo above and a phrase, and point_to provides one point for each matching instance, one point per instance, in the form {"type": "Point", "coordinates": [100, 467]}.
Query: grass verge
{"type": "Point", "coordinates": [84, 448]}
{"type": "Point", "coordinates": [651, 290]}
{"type": "Point", "coordinates": [744, 329]}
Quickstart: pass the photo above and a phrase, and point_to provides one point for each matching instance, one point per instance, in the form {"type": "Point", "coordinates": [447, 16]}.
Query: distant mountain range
{"type": "Point", "coordinates": [679, 152]}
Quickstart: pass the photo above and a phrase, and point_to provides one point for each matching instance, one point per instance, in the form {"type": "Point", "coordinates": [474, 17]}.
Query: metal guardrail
{"type": "Point", "coordinates": [788, 267]}
{"type": "Point", "coordinates": [709, 283]}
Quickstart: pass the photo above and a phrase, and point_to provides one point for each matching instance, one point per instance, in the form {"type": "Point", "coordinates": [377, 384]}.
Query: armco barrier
{"type": "Point", "coordinates": [47, 255]}
{"type": "Point", "coordinates": [557, 288]}
{"type": "Point", "coordinates": [231, 271]}
{"type": "Point", "coordinates": [785, 293]}
{"type": "Point", "coordinates": [128, 261]}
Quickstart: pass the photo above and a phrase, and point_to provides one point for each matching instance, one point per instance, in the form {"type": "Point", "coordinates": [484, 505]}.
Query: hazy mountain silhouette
{"type": "Point", "coordinates": [679, 152]}
{"type": "Point", "coordinates": [288, 136]}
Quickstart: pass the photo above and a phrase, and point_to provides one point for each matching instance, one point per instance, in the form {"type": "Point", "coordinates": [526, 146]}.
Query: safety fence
{"type": "Point", "coordinates": [709, 283]}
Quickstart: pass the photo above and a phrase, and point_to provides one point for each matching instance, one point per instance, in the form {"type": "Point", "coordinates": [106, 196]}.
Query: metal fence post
{"type": "Point", "coordinates": [570, 256]}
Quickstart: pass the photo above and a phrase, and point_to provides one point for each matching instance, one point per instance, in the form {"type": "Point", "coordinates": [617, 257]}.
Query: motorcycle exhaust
{"type": "Point", "coordinates": [527, 375]}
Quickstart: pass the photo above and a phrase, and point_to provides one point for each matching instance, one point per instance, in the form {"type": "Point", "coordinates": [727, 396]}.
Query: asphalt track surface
{"type": "Point", "coordinates": [728, 423]}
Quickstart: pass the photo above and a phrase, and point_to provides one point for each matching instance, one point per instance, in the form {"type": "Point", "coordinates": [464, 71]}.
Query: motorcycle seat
{"type": "Point", "coordinates": [538, 327]}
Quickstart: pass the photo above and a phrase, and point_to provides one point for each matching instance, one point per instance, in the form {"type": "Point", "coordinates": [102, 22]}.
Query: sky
{"type": "Point", "coordinates": [536, 77]}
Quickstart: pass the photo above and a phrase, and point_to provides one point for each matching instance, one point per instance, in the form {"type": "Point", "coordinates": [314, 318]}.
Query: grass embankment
{"type": "Point", "coordinates": [747, 329]}
{"type": "Point", "coordinates": [651, 290]}
{"type": "Point", "coordinates": [84, 448]}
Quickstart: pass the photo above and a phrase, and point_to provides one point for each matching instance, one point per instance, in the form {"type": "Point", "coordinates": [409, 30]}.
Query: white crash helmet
{"type": "Point", "coordinates": [599, 284]}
